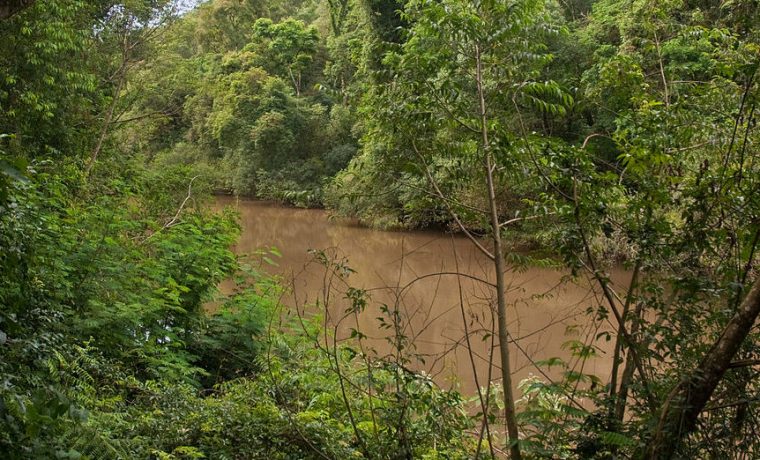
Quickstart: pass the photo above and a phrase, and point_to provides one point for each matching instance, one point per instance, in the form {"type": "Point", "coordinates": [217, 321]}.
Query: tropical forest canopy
{"type": "Point", "coordinates": [583, 135]}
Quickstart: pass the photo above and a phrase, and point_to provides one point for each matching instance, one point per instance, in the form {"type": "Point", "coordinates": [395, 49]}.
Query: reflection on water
{"type": "Point", "coordinates": [542, 307]}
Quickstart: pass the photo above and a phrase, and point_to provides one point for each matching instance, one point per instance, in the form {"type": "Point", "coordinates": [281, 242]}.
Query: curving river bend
{"type": "Point", "coordinates": [544, 312]}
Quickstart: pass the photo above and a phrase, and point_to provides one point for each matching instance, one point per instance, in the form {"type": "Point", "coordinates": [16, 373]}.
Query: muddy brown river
{"type": "Point", "coordinates": [414, 272]}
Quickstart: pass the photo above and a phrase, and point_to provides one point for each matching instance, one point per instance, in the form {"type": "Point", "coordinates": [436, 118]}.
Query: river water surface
{"type": "Point", "coordinates": [410, 271]}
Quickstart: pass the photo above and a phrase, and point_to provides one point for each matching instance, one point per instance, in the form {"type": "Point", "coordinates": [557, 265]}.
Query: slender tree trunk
{"type": "Point", "coordinates": [616, 357]}
{"type": "Point", "coordinates": [104, 129]}
{"type": "Point", "coordinates": [625, 381]}
{"type": "Point", "coordinates": [498, 261]}
{"type": "Point", "coordinates": [121, 74]}
{"type": "Point", "coordinates": [296, 81]}
{"type": "Point", "coordinates": [687, 400]}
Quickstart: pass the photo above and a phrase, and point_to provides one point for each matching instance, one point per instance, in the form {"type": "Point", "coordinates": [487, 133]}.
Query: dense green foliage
{"type": "Point", "coordinates": [263, 110]}
{"type": "Point", "coordinates": [114, 339]}
{"type": "Point", "coordinates": [620, 131]}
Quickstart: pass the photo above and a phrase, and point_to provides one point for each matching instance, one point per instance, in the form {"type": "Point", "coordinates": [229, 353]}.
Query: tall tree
{"type": "Point", "coordinates": [286, 49]}
{"type": "Point", "coordinates": [451, 106]}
